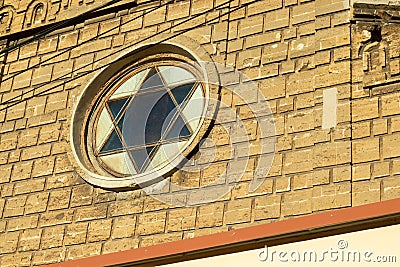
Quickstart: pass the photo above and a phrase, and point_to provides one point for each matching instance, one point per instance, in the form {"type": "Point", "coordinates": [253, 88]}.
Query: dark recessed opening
{"type": "Point", "coordinates": [376, 34]}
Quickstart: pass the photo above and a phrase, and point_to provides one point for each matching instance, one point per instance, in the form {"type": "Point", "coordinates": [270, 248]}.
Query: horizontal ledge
{"type": "Point", "coordinates": [274, 233]}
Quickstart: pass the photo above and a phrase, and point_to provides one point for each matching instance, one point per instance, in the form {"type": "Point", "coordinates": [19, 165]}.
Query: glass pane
{"type": "Point", "coordinates": [194, 108]}
{"type": "Point", "coordinates": [119, 162]}
{"type": "Point", "coordinates": [151, 119]}
{"type": "Point", "coordinates": [140, 156]}
{"type": "Point", "coordinates": [178, 130]}
{"type": "Point", "coordinates": [113, 143]}
{"type": "Point", "coordinates": [174, 75]}
{"type": "Point", "coordinates": [129, 87]}
{"type": "Point", "coordinates": [166, 153]}
{"type": "Point", "coordinates": [153, 81]}
{"type": "Point", "coordinates": [104, 127]}
{"type": "Point", "coordinates": [145, 120]}
{"type": "Point", "coordinates": [117, 107]}
{"type": "Point", "coordinates": [160, 118]}
{"type": "Point", "coordinates": [121, 122]}
{"type": "Point", "coordinates": [181, 92]}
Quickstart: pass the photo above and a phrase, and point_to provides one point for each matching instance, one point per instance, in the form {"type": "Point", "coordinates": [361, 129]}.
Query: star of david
{"type": "Point", "coordinates": [149, 118]}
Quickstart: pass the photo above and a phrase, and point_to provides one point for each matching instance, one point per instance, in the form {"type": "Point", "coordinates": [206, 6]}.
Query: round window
{"type": "Point", "coordinates": [141, 117]}
{"type": "Point", "coordinates": [145, 117]}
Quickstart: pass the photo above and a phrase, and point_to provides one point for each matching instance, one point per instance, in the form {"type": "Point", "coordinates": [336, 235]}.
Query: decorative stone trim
{"type": "Point", "coordinates": [183, 48]}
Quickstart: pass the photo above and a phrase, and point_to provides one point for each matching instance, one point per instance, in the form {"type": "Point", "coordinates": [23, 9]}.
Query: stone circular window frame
{"type": "Point", "coordinates": [182, 49]}
{"type": "Point", "coordinates": [110, 87]}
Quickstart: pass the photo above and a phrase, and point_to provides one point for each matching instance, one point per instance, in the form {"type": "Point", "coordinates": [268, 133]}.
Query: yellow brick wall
{"type": "Point", "coordinates": [293, 50]}
{"type": "Point", "coordinates": [375, 110]}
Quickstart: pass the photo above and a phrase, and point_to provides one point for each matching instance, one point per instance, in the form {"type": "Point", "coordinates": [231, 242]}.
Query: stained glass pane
{"type": "Point", "coordinates": [104, 127]}
{"type": "Point", "coordinates": [121, 122]}
{"type": "Point", "coordinates": [118, 162]}
{"type": "Point", "coordinates": [153, 81]}
{"type": "Point", "coordinates": [117, 106]}
{"type": "Point", "coordinates": [194, 108]}
{"type": "Point", "coordinates": [178, 130]}
{"type": "Point", "coordinates": [165, 153]}
{"type": "Point", "coordinates": [147, 117]}
{"type": "Point", "coordinates": [174, 75]}
{"type": "Point", "coordinates": [113, 143]}
{"type": "Point", "coordinates": [181, 92]}
{"type": "Point", "coordinates": [184, 132]}
{"type": "Point", "coordinates": [140, 156]}
{"type": "Point", "coordinates": [130, 86]}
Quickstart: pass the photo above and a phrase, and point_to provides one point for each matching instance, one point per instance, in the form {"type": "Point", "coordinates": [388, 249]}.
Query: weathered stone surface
{"type": "Point", "coordinates": [291, 51]}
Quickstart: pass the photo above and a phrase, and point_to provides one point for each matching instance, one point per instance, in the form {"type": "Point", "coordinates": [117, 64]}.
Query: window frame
{"type": "Point", "coordinates": [181, 48]}
{"type": "Point", "coordinates": [109, 88]}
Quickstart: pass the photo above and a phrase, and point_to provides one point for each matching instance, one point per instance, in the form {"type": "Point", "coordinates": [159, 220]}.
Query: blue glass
{"type": "Point", "coordinates": [153, 81]}
{"type": "Point", "coordinates": [184, 132]}
{"type": "Point", "coordinates": [113, 143]}
{"type": "Point", "coordinates": [178, 130]}
{"type": "Point", "coordinates": [141, 156]}
{"type": "Point", "coordinates": [181, 92]}
{"type": "Point", "coordinates": [121, 123]}
{"type": "Point", "coordinates": [117, 106]}
{"type": "Point", "coordinates": [148, 116]}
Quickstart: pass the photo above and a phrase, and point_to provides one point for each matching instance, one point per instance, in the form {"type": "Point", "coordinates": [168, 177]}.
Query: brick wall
{"type": "Point", "coordinates": [375, 105]}
{"type": "Point", "coordinates": [294, 51]}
